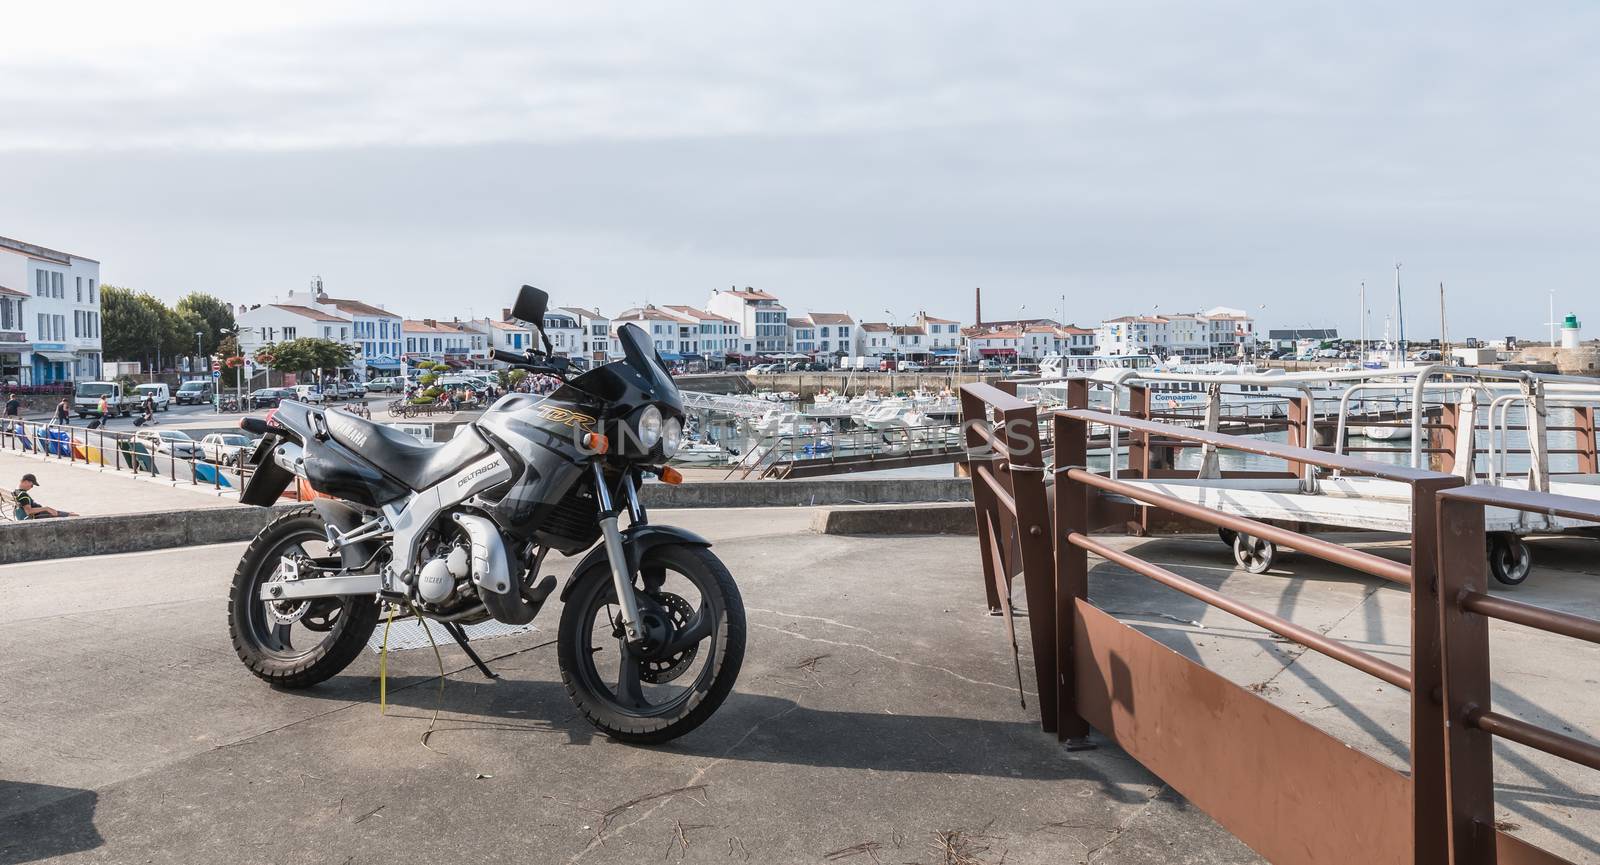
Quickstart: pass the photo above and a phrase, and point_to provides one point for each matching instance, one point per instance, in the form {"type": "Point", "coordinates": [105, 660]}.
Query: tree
{"type": "Point", "coordinates": [132, 323]}
{"type": "Point", "coordinates": [306, 354]}
{"type": "Point", "coordinates": [216, 315]}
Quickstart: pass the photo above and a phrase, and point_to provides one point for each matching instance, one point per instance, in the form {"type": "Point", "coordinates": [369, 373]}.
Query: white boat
{"type": "Point", "coordinates": [1384, 433]}
{"type": "Point", "coordinates": [702, 452]}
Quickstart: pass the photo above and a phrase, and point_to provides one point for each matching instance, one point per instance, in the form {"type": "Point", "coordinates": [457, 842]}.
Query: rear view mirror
{"type": "Point", "coordinates": [531, 304]}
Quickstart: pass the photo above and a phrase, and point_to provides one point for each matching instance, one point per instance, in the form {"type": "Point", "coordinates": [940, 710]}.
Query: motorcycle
{"type": "Point", "coordinates": [652, 627]}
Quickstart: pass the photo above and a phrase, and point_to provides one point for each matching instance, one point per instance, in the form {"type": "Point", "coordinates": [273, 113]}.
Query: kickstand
{"type": "Point", "coordinates": [460, 636]}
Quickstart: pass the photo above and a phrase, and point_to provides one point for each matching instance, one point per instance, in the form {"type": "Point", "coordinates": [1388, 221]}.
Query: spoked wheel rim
{"type": "Point", "coordinates": [678, 605]}
{"type": "Point", "coordinates": [289, 631]}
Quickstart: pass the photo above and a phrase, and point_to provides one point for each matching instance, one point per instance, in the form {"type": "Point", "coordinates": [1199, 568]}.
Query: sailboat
{"type": "Point", "coordinates": [1397, 359]}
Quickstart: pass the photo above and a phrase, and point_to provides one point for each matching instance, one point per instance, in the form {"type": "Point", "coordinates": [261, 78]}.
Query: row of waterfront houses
{"type": "Point", "coordinates": [50, 329]}
{"type": "Point", "coordinates": [733, 326]}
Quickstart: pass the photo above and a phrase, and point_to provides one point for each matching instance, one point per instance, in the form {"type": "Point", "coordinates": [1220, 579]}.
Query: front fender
{"type": "Point", "coordinates": [637, 540]}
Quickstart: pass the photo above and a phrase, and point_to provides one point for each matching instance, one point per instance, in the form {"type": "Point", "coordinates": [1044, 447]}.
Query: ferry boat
{"type": "Point", "coordinates": [1081, 365]}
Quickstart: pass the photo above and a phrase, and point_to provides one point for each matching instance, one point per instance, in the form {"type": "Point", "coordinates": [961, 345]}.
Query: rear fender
{"type": "Point", "coordinates": [637, 540]}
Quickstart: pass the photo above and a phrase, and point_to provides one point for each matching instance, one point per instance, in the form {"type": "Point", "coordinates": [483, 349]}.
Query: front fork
{"type": "Point", "coordinates": [621, 571]}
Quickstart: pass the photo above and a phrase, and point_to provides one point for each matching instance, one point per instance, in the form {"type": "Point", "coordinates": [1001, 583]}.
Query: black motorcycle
{"type": "Point", "coordinates": [652, 626]}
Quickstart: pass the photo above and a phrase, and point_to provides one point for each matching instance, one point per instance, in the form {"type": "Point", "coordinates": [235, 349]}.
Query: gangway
{"type": "Point", "coordinates": [734, 404]}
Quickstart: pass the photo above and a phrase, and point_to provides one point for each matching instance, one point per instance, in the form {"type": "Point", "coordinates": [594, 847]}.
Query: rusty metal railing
{"type": "Point", "coordinates": [1209, 738]}
{"type": "Point", "coordinates": [1465, 610]}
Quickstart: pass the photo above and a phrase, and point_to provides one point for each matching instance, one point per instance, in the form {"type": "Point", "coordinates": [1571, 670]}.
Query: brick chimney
{"type": "Point", "coordinates": [430, 322]}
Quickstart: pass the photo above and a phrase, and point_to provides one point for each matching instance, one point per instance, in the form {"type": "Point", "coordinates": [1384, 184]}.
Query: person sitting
{"type": "Point", "coordinates": [27, 508]}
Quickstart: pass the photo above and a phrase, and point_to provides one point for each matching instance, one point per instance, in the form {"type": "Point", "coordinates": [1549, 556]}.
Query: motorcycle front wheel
{"type": "Point", "coordinates": [695, 627]}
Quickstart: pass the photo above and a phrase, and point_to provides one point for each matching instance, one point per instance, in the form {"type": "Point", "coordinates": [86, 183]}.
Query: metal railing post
{"type": "Point", "coordinates": [1072, 562]}
{"type": "Point", "coordinates": [1024, 467]}
{"type": "Point", "coordinates": [980, 455]}
{"type": "Point", "coordinates": [1588, 459]}
{"type": "Point", "coordinates": [1464, 650]}
{"type": "Point", "coordinates": [1429, 789]}
{"type": "Point", "coordinates": [1139, 442]}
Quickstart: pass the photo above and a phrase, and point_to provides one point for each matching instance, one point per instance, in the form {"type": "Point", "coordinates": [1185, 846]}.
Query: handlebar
{"type": "Point", "coordinates": [556, 366]}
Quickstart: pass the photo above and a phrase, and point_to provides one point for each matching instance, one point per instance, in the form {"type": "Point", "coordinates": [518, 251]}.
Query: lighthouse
{"type": "Point", "coordinates": [1569, 331]}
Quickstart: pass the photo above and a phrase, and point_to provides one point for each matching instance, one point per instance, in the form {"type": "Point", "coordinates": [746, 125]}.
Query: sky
{"type": "Point", "coordinates": [1075, 160]}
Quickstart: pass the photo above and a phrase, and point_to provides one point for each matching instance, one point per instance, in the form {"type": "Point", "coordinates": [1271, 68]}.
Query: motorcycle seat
{"type": "Point", "coordinates": [404, 457]}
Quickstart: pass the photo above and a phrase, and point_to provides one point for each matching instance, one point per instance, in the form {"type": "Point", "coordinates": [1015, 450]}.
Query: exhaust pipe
{"type": "Point", "coordinates": [499, 588]}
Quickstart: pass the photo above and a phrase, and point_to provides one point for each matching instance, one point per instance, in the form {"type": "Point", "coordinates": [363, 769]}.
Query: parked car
{"type": "Point", "coordinates": [357, 389]}
{"type": "Point", "coordinates": [225, 448]}
{"type": "Point", "coordinates": [172, 442]}
{"type": "Point", "coordinates": [158, 394]}
{"type": "Point", "coordinates": [267, 397]}
{"type": "Point", "coordinates": [308, 393]}
{"type": "Point", "coordinates": [195, 392]}
{"type": "Point", "coordinates": [386, 384]}
{"type": "Point", "coordinates": [989, 365]}
{"type": "Point", "coordinates": [911, 366]}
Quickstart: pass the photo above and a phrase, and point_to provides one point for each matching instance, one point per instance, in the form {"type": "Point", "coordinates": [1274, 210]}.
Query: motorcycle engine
{"type": "Point", "coordinates": [438, 580]}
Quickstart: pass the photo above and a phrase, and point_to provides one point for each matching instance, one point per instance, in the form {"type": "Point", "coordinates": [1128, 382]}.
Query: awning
{"type": "Point", "coordinates": [993, 352]}
{"type": "Point", "coordinates": [383, 362]}
{"type": "Point", "coordinates": [693, 356]}
{"type": "Point", "coordinates": [57, 356]}
{"type": "Point", "coordinates": [947, 352]}
{"type": "Point", "coordinates": [670, 357]}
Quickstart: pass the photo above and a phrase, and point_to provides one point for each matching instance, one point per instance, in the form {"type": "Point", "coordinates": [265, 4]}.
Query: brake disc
{"type": "Point", "coordinates": [659, 671]}
{"type": "Point", "coordinates": [285, 612]}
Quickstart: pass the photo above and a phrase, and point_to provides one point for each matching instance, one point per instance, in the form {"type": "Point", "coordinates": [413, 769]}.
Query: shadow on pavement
{"type": "Point", "coordinates": [44, 821]}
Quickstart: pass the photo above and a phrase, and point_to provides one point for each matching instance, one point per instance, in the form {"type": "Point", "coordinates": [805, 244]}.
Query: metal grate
{"type": "Point", "coordinates": [406, 634]}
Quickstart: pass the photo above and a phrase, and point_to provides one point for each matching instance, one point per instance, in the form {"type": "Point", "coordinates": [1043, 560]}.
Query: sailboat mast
{"type": "Point", "coordinates": [1444, 333]}
{"type": "Point", "coordinates": [1362, 347]}
{"type": "Point", "coordinates": [1399, 320]}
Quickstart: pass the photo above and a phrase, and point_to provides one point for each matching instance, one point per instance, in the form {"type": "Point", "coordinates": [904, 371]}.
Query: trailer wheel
{"type": "Point", "coordinates": [1510, 560]}
{"type": "Point", "coordinates": [1255, 555]}
{"type": "Point", "coordinates": [1227, 536]}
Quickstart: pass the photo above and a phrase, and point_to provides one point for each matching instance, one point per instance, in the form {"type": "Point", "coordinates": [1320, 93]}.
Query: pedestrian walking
{"type": "Point", "coordinates": [63, 413]}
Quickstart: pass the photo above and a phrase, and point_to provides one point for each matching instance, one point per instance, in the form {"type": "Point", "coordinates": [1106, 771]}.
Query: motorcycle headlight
{"type": "Point", "coordinates": [649, 427]}
{"type": "Point", "coordinates": [672, 437]}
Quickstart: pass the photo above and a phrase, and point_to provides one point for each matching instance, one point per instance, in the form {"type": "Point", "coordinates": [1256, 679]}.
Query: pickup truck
{"type": "Point", "coordinates": [86, 399]}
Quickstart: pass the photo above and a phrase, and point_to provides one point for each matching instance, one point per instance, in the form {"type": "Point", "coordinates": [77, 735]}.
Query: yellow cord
{"type": "Point", "coordinates": [383, 674]}
{"type": "Point", "coordinates": [383, 667]}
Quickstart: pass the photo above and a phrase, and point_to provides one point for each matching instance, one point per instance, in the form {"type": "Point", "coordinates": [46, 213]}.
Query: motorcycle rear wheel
{"type": "Point", "coordinates": [266, 645]}
{"type": "Point", "coordinates": [652, 700]}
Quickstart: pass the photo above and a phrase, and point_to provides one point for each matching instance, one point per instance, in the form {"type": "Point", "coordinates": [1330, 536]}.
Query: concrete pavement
{"type": "Point", "coordinates": [876, 714]}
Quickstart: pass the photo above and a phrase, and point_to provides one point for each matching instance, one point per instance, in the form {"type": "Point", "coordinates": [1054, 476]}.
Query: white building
{"type": "Point", "coordinates": [598, 344]}
{"type": "Point", "coordinates": [513, 336]}
{"type": "Point", "coordinates": [719, 335]}
{"type": "Point", "coordinates": [1217, 332]}
{"type": "Point", "coordinates": [376, 332]}
{"type": "Point", "coordinates": [566, 335]}
{"type": "Point", "coordinates": [448, 341]}
{"type": "Point", "coordinates": [1071, 339]}
{"type": "Point", "coordinates": [1004, 344]}
{"type": "Point", "coordinates": [943, 335]}
{"type": "Point", "coordinates": [672, 335]}
{"type": "Point", "coordinates": [763, 321]}
{"type": "Point", "coordinates": [49, 314]}
{"type": "Point", "coordinates": [802, 336]}
{"type": "Point", "coordinates": [269, 323]}
{"type": "Point", "coordinates": [1133, 334]}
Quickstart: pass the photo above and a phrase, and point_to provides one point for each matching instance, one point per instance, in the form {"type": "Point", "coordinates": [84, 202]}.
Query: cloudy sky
{"type": "Point", "coordinates": [1126, 156]}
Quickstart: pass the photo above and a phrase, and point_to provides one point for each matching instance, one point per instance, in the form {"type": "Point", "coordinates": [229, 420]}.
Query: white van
{"type": "Point", "coordinates": [157, 392]}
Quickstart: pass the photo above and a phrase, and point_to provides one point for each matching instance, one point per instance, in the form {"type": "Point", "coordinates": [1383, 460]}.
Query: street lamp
{"type": "Point", "coordinates": [197, 335]}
